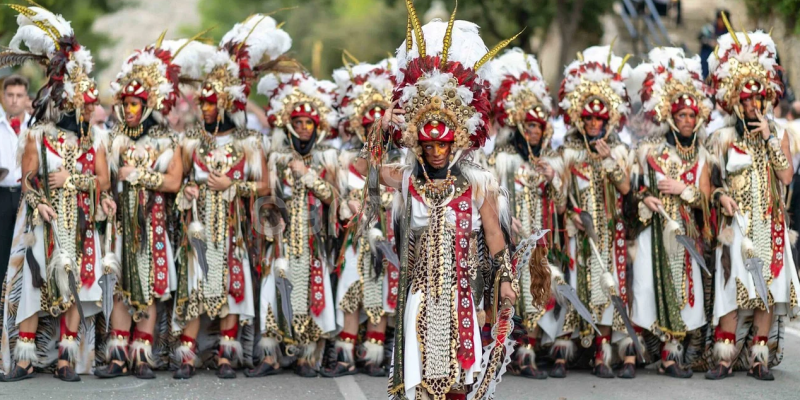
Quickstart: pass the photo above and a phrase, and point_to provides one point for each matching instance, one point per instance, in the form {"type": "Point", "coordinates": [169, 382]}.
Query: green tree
{"type": "Point", "coordinates": [81, 14]}
{"type": "Point", "coordinates": [786, 10]}
{"type": "Point", "coordinates": [370, 29]}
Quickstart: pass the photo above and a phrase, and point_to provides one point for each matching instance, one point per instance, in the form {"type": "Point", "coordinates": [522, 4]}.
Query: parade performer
{"type": "Point", "coordinates": [146, 159]}
{"type": "Point", "coordinates": [594, 103]}
{"type": "Point", "coordinates": [367, 287]}
{"type": "Point", "coordinates": [522, 161]}
{"type": "Point", "coordinates": [303, 179]}
{"type": "Point", "coordinates": [449, 212]}
{"type": "Point", "coordinates": [756, 283]}
{"type": "Point", "coordinates": [673, 164]}
{"type": "Point", "coordinates": [52, 281]}
{"type": "Point", "coordinates": [227, 171]}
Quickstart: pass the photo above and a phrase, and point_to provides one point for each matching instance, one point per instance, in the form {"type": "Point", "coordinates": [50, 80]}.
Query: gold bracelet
{"type": "Point", "coordinates": [776, 156]}
{"type": "Point", "coordinates": [246, 189]}
{"type": "Point", "coordinates": [691, 195]}
{"type": "Point", "coordinates": [616, 175]}
{"type": "Point", "coordinates": [506, 270]}
{"type": "Point", "coordinates": [84, 183]}
{"type": "Point", "coordinates": [151, 180]}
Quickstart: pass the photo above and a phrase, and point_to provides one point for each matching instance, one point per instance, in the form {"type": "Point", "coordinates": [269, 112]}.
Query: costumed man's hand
{"type": "Point", "coordinates": [506, 292]}
{"type": "Point", "coordinates": [545, 169]}
{"type": "Point", "coordinates": [671, 186]}
{"type": "Point", "coordinates": [653, 203]}
{"type": "Point", "coordinates": [393, 115]}
{"type": "Point", "coordinates": [46, 212]}
{"type": "Point", "coordinates": [56, 179]}
{"type": "Point", "coordinates": [219, 182]}
{"type": "Point", "coordinates": [728, 205]}
{"type": "Point", "coordinates": [762, 126]}
{"type": "Point", "coordinates": [603, 150]}
{"type": "Point", "coordinates": [298, 167]}
{"type": "Point", "coordinates": [191, 192]}
{"type": "Point", "coordinates": [125, 172]}
{"type": "Point", "coordinates": [109, 206]}
{"type": "Point", "coordinates": [576, 220]}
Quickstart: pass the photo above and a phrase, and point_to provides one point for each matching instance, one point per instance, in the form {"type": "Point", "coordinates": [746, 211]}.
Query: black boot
{"type": "Point", "coordinates": [19, 373]}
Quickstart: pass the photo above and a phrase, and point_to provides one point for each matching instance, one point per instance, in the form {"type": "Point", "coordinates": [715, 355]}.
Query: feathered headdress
{"type": "Point", "coordinates": [670, 82]}
{"type": "Point", "coordinates": [245, 52]}
{"type": "Point", "coordinates": [52, 43]}
{"type": "Point", "coordinates": [594, 85]}
{"type": "Point", "coordinates": [744, 64]}
{"type": "Point", "coordinates": [519, 94]}
{"type": "Point", "coordinates": [299, 95]}
{"type": "Point", "coordinates": [364, 93]}
{"type": "Point", "coordinates": [155, 73]}
{"type": "Point", "coordinates": [442, 83]}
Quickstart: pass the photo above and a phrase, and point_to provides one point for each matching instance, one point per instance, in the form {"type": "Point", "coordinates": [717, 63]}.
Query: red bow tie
{"type": "Point", "coordinates": [16, 123]}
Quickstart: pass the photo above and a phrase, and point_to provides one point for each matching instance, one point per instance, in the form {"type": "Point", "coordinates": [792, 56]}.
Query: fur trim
{"type": "Point", "coordinates": [141, 349]}
{"type": "Point", "coordinates": [724, 351]}
{"type": "Point", "coordinates": [57, 269]}
{"type": "Point", "coordinates": [112, 264]}
{"type": "Point", "coordinates": [607, 283]}
{"type": "Point", "coordinates": [345, 349]}
{"type": "Point", "coordinates": [625, 346]}
{"type": "Point", "coordinates": [309, 351]}
{"type": "Point", "coordinates": [747, 247]}
{"type": "Point", "coordinates": [792, 236]}
{"type": "Point", "coordinates": [374, 235]}
{"type": "Point", "coordinates": [184, 352]}
{"type": "Point", "coordinates": [673, 351]}
{"type": "Point", "coordinates": [525, 351]}
{"type": "Point", "coordinates": [281, 264]}
{"type": "Point", "coordinates": [759, 353]}
{"type": "Point", "coordinates": [607, 355]}
{"type": "Point", "coordinates": [373, 353]}
{"type": "Point", "coordinates": [726, 236]}
{"type": "Point", "coordinates": [233, 347]}
{"type": "Point", "coordinates": [25, 351]}
{"type": "Point", "coordinates": [196, 229]}
{"type": "Point", "coordinates": [69, 347]}
{"type": "Point", "coordinates": [567, 346]}
{"type": "Point", "coordinates": [269, 346]}
{"type": "Point", "coordinates": [115, 344]}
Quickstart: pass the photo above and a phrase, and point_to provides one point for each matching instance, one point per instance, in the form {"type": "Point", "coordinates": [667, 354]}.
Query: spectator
{"type": "Point", "coordinates": [708, 38]}
{"type": "Point", "coordinates": [12, 124]}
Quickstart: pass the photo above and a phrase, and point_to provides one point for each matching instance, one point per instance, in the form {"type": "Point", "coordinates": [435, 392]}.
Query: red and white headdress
{"type": "Point", "coordinates": [594, 85]}
{"type": "Point", "coordinates": [155, 73]}
{"type": "Point", "coordinates": [519, 94]}
{"type": "Point", "coordinates": [670, 82]}
{"type": "Point", "coordinates": [744, 64]}
{"type": "Point", "coordinates": [364, 93]}
{"type": "Point", "coordinates": [246, 51]}
{"type": "Point", "coordinates": [51, 42]}
{"type": "Point", "coordinates": [293, 95]}
{"type": "Point", "coordinates": [442, 84]}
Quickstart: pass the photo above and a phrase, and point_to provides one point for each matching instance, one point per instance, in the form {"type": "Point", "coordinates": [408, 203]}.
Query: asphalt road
{"type": "Point", "coordinates": [578, 385]}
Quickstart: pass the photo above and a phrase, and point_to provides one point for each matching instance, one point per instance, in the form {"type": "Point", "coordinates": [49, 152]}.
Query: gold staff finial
{"type": "Point", "coordinates": [448, 36]}
{"type": "Point", "coordinates": [412, 15]}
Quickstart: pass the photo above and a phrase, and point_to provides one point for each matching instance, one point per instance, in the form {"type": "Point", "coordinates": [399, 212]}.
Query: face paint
{"type": "Point", "coordinates": [209, 111]}
{"type": "Point", "coordinates": [437, 153]}
{"type": "Point", "coordinates": [132, 107]}
{"type": "Point", "coordinates": [303, 127]}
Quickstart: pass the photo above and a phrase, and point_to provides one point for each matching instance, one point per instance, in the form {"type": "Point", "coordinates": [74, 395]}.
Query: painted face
{"type": "Point", "coordinates": [593, 125]}
{"type": "Point", "coordinates": [437, 153]}
{"type": "Point", "coordinates": [533, 132]}
{"type": "Point", "coordinates": [685, 121]}
{"type": "Point", "coordinates": [210, 112]}
{"type": "Point", "coordinates": [88, 111]}
{"type": "Point", "coordinates": [304, 127]}
{"type": "Point", "coordinates": [132, 107]}
{"type": "Point", "coordinates": [751, 104]}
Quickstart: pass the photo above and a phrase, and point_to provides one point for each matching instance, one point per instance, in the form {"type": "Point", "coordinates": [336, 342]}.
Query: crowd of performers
{"type": "Point", "coordinates": [411, 218]}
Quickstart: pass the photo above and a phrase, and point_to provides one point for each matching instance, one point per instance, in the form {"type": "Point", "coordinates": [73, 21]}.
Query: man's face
{"type": "Point", "coordinates": [437, 153]}
{"type": "Point", "coordinates": [88, 111]}
{"type": "Point", "coordinates": [685, 121]}
{"type": "Point", "coordinates": [752, 106]}
{"type": "Point", "coordinates": [303, 127]}
{"type": "Point", "coordinates": [210, 112]}
{"type": "Point", "coordinates": [533, 132]}
{"type": "Point", "coordinates": [15, 98]}
{"type": "Point", "coordinates": [132, 108]}
{"type": "Point", "coordinates": [593, 125]}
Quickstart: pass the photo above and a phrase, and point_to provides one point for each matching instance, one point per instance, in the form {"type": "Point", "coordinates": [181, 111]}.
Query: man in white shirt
{"type": "Point", "coordinates": [12, 123]}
